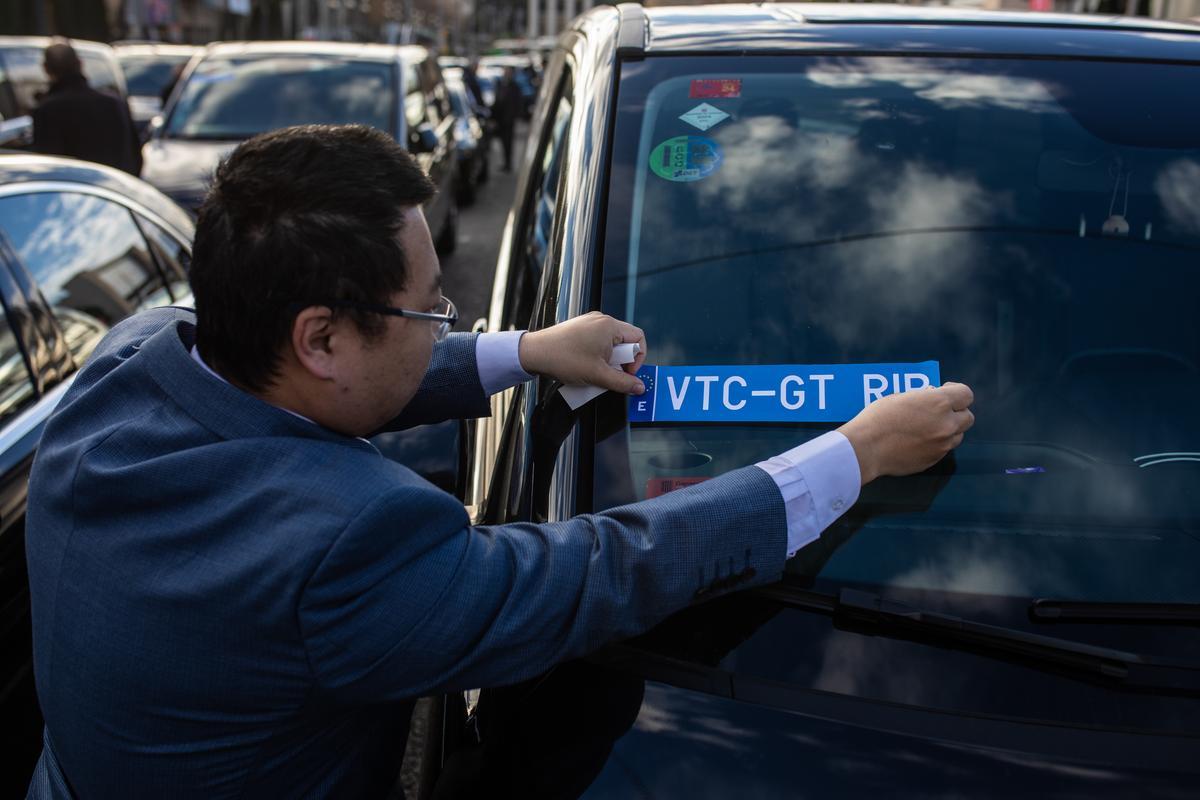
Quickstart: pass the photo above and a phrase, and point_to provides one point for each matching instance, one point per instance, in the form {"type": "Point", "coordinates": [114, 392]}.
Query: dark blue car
{"type": "Point", "coordinates": [1013, 196]}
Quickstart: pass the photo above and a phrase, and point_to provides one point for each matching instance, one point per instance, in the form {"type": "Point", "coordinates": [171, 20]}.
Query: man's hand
{"type": "Point", "coordinates": [577, 352]}
{"type": "Point", "coordinates": [905, 433]}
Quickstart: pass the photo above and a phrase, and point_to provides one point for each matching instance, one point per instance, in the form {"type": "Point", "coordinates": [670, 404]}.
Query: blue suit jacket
{"type": "Point", "coordinates": [230, 601]}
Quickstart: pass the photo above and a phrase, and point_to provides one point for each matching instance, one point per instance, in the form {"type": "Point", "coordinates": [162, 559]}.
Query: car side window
{"type": "Point", "coordinates": [16, 385]}
{"type": "Point", "coordinates": [89, 258]}
{"type": "Point", "coordinates": [173, 256]}
{"type": "Point", "coordinates": [435, 92]}
{"type": "Point", "coordinates": [27, 77]}
{"type": "Point", "coordinates": [414, 97]}
{"type": "Point", "coordinates": [534, 243]}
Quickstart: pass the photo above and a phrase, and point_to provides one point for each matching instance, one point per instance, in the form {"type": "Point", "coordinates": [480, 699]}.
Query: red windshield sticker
{"type": "Point", "coordinates": [716, 87]}
{"type": "Point", "coordinates": [660, 486]}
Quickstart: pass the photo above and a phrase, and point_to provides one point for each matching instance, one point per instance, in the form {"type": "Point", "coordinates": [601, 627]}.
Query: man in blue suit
{"type": "Point", "coordinates": [235, 595]}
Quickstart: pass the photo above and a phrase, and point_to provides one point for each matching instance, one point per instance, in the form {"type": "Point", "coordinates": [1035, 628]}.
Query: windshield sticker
{"type": "Point", "coordinates": [656, 487]}
{"type": "Point", "coordinates": [685, 158]}
{"type": "Point", "coordinates": [719, 87]}
{"type": "Point", "coordinates": [704, 116]}
{"type": "Point", "coordinates": [772, 392]}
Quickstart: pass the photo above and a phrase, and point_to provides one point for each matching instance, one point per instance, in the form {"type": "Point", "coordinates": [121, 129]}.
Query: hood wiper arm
{"type": "Point", "coordinates": [873, 614]}
{"type": "Point", "coordinates": [1047, 610]}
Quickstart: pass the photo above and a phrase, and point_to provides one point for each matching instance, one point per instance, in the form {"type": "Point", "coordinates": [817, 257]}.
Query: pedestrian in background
{"type": "Point", "coordinates": [505, 110]}
{"type": "Point", "coordinates": [73, 119]}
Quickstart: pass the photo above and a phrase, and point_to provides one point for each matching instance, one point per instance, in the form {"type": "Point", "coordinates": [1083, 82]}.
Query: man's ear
{"type": "Point", "coordinates": [312, 341]}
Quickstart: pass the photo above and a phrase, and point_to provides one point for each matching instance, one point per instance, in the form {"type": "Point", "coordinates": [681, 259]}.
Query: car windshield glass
{"type": "Point", "coordinates": [147, 75]}
{"type": "Point", "coordinates": [235, 98]}
{"type": "Point", "coordinates": [1009, 220]}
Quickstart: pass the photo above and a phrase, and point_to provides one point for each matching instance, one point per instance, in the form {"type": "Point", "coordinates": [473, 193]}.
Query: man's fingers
{"type": "Point", "coordinates": [629, 334]}
{"type": "Point", "coordinates": [963, 420]}
{"type": "Point", "coordinates": [959, 394]}
{"type": "Point", "coordinates": [618, 381]}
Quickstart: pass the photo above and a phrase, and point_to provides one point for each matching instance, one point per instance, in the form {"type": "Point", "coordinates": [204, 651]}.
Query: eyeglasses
{"type": "Point", "coordinates": [445, 314]}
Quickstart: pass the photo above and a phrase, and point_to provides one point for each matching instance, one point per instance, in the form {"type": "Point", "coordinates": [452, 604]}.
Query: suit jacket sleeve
{"type": "Point", "coordinates": [411, 600]}
{"type": "Point", "coordinates": [451, 388]}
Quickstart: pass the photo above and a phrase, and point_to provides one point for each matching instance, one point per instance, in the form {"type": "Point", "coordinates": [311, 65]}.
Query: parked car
{"type": "Point", "coordinates": [236, 90]}
{"type": "Point", "coordinates": [23, 81]}
{"type": "Point", "coordinates": [82, 246]}
{"type": "Point", "coordinates": [1010, 195]}
{"type": "Point", "coordinates": [470, 138]}
{"type": "Point", "coordinates": [151, 69]}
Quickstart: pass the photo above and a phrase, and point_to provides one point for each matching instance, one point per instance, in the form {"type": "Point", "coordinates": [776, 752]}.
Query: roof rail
{"type": "Point", "coordinates": [631, 37]}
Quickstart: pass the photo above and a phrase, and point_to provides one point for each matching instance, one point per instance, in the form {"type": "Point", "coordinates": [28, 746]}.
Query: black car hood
{"type": "Point", "coordinates": [687, 744]}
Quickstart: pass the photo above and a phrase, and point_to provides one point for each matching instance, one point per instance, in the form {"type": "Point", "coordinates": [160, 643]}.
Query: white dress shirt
{"type": "Point", "coordinates": [819, 480]}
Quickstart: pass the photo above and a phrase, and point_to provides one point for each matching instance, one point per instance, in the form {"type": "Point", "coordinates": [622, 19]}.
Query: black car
{"type": "Point", "coordinates": [1013, 196]}
{"type": "Point", "coordinates": [470, 138]}
{"type": "Point", "coordinates": [235, 90]}
{"type": "Point", "coordinates": [81, 247]}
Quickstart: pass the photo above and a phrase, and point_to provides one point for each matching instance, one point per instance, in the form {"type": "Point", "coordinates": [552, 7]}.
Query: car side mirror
{"type": "Point", "coordinates": [438, 453]}
{"type": "Point", "coordinates": [422, 139]}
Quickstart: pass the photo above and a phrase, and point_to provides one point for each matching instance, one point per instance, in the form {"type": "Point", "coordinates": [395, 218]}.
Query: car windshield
{"type": "Point", "coordinates": [147, 75]}
{"type": "Point", "coordinates": [235, 98]}
{"type": "Point", "coordinates": [1031, 226]}
{"type": "Point", "coordinates": [29, 82]}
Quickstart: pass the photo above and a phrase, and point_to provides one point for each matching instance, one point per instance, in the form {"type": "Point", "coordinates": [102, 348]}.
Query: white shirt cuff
{"type": "Point", "coordinates": [819, 480]}
{"type": "Point", "coordinates": [498, 359]}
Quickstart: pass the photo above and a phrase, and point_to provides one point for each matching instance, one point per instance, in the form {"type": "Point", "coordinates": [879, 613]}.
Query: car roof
{"type": "Point", "coordinates": [362, 52]}
{"type": "Point", "coordinates": [42, 42]}
{"type": "Point", "coordinates": [873, 27]}
{"type": "Point", "coordinates": [154, 49]}
{"type": "Point", "coordinates": [18, 168]}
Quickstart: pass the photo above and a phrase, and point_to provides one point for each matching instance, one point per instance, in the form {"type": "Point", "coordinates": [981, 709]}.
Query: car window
{"type": "Point", "coordinates": [16, 386]}
{"type": "Point", "coordinates": [539, 222]}
{"type": "Point", "coordinates": [29, 82]}
{"type": "Point", "coordinates": [1003, 218]}
{"type": "Point", "coordinates": [414, 97]}
{"type": "Point", "coordinates": [173, 256]}
{"type": "Point", "coordinates": [89, 259]}
{"type": "Point", "coordinates": [100, 70]}
{"type": "Point", "coordinates": [147, 75]}
{"type": "Point", "coordinates": [235, 98]}
{"type": "Point", "coordinates": [8, 101]}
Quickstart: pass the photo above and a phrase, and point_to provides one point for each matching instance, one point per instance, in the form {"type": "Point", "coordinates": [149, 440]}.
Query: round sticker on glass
{"type": "Point", "coordinates": [685, 158]}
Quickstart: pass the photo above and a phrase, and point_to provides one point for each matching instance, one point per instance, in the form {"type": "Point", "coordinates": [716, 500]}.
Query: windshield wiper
{"type": "Point", "coordinates": [1046, 610]}
{"type": "Point", "coordinates": [875, 615]}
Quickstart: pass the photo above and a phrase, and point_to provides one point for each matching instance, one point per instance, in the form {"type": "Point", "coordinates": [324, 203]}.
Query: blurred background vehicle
{"type": "Point", "coordinates": [470, 138]}
{"type": "Point", "coordinates": [82, 246]}
{"type": "Point", "coordinates": [236, 90]}
{"type": "Point", "coordinates": [151, 71]}
{"type": "Point", "coordinates": [23, 81]}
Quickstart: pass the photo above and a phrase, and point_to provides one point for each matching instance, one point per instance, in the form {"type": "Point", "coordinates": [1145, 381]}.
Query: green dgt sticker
{"type": "Point", "coordinates": [685, 158]}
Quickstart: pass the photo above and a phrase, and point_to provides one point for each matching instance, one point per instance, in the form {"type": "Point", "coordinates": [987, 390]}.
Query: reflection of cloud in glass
{"type": "Point", "coordinates": [770, 164]}
{"type": "Point", "coordinates": [76, 232]}
{"type": "Point", "coordinates": [947, 89]}
{"type": "Point", "coordinates": [1178, 189]}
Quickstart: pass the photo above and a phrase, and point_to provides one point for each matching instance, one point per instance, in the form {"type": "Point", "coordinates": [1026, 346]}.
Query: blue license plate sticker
{"type": "Point", "coordinates": [772, 392]}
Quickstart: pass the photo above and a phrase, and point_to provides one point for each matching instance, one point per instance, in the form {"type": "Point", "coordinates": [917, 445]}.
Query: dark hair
{"type": "Point", "coordinates": [61, 60]}
{"type": "Point", "coordinates": [298, 216]}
